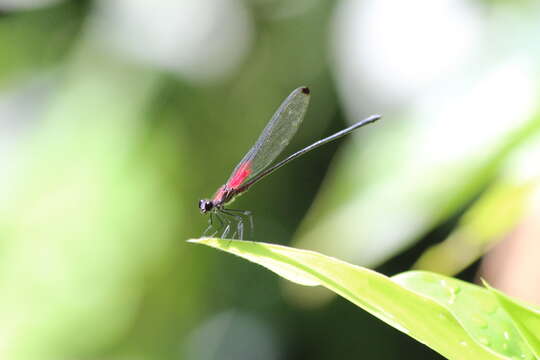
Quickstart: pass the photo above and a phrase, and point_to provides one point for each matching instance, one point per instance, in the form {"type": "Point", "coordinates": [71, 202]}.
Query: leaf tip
{"type": "Point", "coordinates": [201, 240]}
{"type": "Point", "coordinates": [486, 284]}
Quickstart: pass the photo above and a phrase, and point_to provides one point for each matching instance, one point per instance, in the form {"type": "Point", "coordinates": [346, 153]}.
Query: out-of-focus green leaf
{"type": "Point", "coordinates": [499, 209]}
{"type": "Point", "coordinates": [39, 38]}
{"type": "Point", "coordinates": [376, 185]}
{"type": "Point", "coordinates": [485, 223]}
{"type": "Point", "coordinates": [77, 213]}
{"type": "Point", "coordinates": [456, 319]}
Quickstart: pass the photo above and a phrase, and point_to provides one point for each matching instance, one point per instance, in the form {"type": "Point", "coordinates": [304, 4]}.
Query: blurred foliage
{"type": "Point", "coordinates": [37, 39]}
{"type": "Point", "coordinates": [498, 210]}
{"type": "Point", "coordinates": [488, 220]}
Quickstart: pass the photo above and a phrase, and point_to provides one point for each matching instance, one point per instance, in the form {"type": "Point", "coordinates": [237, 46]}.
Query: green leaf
{"type": "Point", "coordinates": [526, 318]}
{"type": "Point", "coordinates": [474, 307]}
{"type": "Point", "coordinates": [456, 319]}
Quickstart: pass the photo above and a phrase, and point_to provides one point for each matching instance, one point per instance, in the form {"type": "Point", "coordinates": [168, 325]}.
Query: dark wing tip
{"type": "Point", "coordinates": [305, 90]}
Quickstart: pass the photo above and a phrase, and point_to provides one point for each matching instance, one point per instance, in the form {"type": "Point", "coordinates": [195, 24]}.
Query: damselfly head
{"type": "Point", "coordinates": [205, 205]}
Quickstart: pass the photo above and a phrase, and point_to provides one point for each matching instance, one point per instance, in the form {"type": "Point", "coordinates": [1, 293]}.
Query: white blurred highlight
{"type": "Point", "coordinates": [397, 49]}
{"type": "Point", "coordinates": [20, 107]}
{"type": "Point", "coordinates": [202, 40]}
{"type": "Point", "coordinates": [470, 118]}
{"type": "Point", "coordinates": [232, 335]}
{"type": "Point", "coordinates": [522, 167]}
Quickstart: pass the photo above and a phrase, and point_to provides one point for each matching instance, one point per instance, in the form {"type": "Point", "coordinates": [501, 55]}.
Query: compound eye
{"type": "Point", "coordinates": [202, 205]}
{"type": "Point", "coordinates": [205, 205]}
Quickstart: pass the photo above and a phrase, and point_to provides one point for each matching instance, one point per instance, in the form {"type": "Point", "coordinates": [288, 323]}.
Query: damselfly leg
{"type": "Point", "coordinates": [226, 224]}
{"type": "Point", "coordinates": [212, 226]}
{"type": "Point", "coordinates": [221, 222]}
{"type": "Point", "coordinates": [240, 216]}
{"type": "Point", "coordinates": [224, 221]}
{"type": "Point", "coordinates": [239, 220]}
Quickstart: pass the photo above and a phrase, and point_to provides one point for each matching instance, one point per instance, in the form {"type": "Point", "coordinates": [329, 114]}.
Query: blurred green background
{"type": "Point", "coordinates": [116, 117]}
